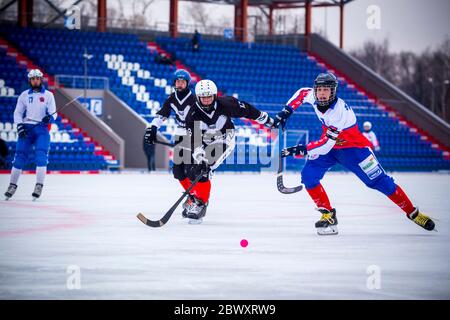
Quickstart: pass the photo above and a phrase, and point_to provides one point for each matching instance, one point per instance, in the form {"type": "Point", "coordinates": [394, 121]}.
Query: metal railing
{"type": "Point", "coordinates": [80, 82]}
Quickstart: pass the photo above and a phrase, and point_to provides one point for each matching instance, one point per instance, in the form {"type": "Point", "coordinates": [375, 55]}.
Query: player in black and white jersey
{"type": "Point", "coordinates": [212, 133]}
{"type": "Point", "coordinates": [180, 102]}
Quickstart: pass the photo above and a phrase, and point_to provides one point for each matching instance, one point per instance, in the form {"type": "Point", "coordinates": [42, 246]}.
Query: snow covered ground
{"type": "Point", "coordinates": [82, 240]}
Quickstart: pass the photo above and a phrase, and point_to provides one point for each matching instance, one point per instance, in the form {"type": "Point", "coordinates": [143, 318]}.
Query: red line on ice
{"type": "Point", "coordinates": [77, 218]}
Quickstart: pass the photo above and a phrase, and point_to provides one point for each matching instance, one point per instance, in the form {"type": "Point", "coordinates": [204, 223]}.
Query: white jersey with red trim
{"type": "Point", "coordinates": [340, 129]}
{"type": "Point", "coordinates": [372, 137]}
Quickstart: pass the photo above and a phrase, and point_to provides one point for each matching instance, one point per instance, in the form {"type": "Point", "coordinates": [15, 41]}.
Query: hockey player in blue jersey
{"type": "Point", "coordinates": [35, 109]}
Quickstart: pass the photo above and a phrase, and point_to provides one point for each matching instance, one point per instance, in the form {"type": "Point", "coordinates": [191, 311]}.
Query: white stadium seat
{"type": "Point", "coordinates": [2, 126]}
{"type": "Point", "coordinates": [113, 58]}
{"type": "Point", "coordinates": [2, 83]}
{"type": "Point", "coordinates": [8, 126]}
{"type": "Point", "coordinates": [4, 135]}
{"type": "Point", "coordinates": [12, 136]}
{"type": "Point", "coordinates": [65, 137]}
{"type": "Point", "coordinates": [53, 127]}
{"type": "Point", "coordinates": [120, 58]}
{"type": "Point", "coordinates": [56, 137]}
{"type": "Point", "coordinates": [107, 57]}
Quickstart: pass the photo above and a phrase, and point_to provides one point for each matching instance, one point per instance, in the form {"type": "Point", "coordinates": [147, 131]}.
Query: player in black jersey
{"type": "Point", "coordinates": [180, 102]}
{"type": "Point", "coordinates": [212, 133]}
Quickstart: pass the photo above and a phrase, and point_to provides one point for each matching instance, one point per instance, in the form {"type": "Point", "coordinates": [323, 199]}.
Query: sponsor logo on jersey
{"type": "Point", "coordinates": [371, 167]}
{"type": "Point", "coordinates": [41, 99]}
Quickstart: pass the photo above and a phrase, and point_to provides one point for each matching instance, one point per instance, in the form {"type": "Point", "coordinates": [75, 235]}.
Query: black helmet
{"type": "Point", "coordinates": [328, 80]}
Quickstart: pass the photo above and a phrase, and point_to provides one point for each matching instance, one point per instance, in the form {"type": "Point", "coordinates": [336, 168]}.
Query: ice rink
{"type": "Point", "coordinates": [82, 240]}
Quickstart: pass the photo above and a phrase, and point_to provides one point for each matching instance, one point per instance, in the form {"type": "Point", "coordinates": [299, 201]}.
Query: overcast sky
{"type": "Point", "coordinates": [412, 25]}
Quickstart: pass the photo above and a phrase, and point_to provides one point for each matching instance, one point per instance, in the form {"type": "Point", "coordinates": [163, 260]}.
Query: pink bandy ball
{"type": "Point", "coordinates": [244, 243]}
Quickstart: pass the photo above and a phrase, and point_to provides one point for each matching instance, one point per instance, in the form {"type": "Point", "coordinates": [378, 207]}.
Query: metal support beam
{"type": "Point", "coordinates": [53, 6]}
{"type": "Point", "coordinates": [341, 25]}
{"type": "Point", "coordinates": [30, 12]}
{"type": "Point", "coordinates": [244, 7]}
{"type": "Point", "coordinates": [61, 14]}
{"type": "Point", "coordinates": [101, 15]}
{"type": "Point", "coordinates": [271, 20]}
{"type": "Point", "coordinates": [6, 6]}
{"type": "Point", "coordinates": [22, 13]}
{"type": "Point", "coordinates": [173, 23]}
{"type": "Point", "coordinates": [307, 17]}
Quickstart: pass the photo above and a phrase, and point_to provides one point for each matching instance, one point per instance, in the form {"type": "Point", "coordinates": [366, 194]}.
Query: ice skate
{"type": "Point", "coordinates": [186, 205]}
{"type": "Point", "coordinates": [10, 191]}
{"type": "Point", "coordinates": [37, 191]}
{"type": "Point", "coordinates": [421, 220]}
{"type": "Point", "coordinates": [327, 225]}
{"type": "Point", "coordinates": [196, 211]}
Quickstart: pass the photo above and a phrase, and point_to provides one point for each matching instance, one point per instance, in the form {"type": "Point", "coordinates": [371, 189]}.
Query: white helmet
{"type": "Point", "coordinates": [367, 125]}
{"type": "Point", "coordinates": [35, 73]}
{"type": "Point", "coordinates": [205, 88]}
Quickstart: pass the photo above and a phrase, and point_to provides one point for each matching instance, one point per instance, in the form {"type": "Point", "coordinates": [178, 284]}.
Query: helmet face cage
{"type": "Point", "coordinates": [205, 88]}
{"type": "Point", "coordinates": [35, 74]}
{"type": "Point", "coordinates": [327, 80]}
{"type": "Point", "coordinates": [181, 74]}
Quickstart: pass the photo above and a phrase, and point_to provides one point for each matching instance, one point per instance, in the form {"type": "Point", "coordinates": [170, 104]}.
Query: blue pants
{"type": "Point", "coordinates": [360, 161]}
{"type": "Point", "coordinates": [37, 136]}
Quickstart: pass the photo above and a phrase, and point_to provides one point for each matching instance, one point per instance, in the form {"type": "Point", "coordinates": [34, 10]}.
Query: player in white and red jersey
{"type": "Point", "coordinates": [341, 142]}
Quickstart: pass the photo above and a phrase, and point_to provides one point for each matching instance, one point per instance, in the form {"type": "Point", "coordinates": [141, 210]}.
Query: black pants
{"type": "Point", "coordinates": [150, 153]}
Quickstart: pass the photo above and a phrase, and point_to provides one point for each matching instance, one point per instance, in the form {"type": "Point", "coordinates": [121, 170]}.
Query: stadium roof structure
{"type": "Point", "coordinates": [279, 4]}
{"type": "Point", "coordinates": [25, 13]}
{"type": "Point", "coordinates": [240, 21]}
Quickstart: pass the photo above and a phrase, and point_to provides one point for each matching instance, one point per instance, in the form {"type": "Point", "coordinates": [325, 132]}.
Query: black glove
{"type": "Point", "coordinates": [46, 119]}
{"type": "Point", "coordinates": [150, 135]}
{"type": "Point", "coordinates": [282, 116]}
{"type": "Point", "coordinates": [269, 122]}
{"type": "Point", "coordinates": [21, 130]}
{"type": "Point", "coordinates": [298, 150]}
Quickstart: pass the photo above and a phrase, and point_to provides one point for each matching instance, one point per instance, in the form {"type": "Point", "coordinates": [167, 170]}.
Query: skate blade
{"type": "Point", "coordinates": [328, 231]}
{"type": "Point", "coordinates": [35, 198]}
{"type": "Point", "coordinates": [7, 198]}
{"type": "Point", "coordinates": [195, 221]}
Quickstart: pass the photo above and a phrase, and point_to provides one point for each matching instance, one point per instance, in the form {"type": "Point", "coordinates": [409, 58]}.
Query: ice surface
{"type": "Point", "coordinates": [89, 221]}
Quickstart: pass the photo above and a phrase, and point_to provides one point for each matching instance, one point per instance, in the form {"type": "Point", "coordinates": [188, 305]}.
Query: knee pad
{"type": "Point", "coordinates": [310, 179]}
{"type": "Point", "coordinates": [20, 160]}
{"type": "Point", "coordinates": [385, 184]}
{"type": "Point", "coordinates": [41, 158]}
